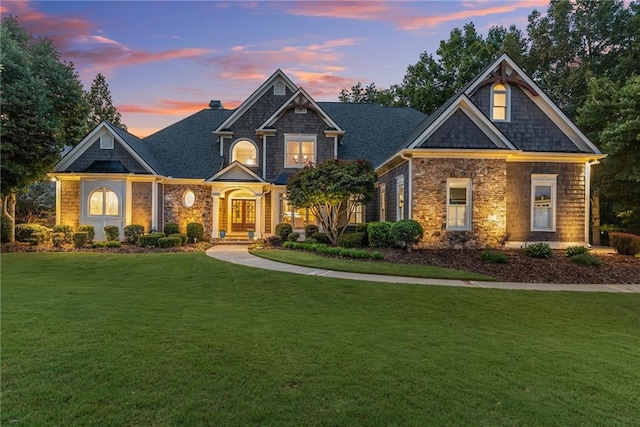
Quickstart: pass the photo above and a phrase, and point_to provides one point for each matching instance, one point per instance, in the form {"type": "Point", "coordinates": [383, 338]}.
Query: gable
{"type": "Point", "coordinates": [235, 172]}
{"type": "Point", "coordinates": [458, 131]}
{"type": "Point", "coordinates": [302, 104]}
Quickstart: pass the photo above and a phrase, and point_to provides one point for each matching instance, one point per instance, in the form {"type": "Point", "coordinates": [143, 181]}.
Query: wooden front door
{"type": "Point", "coordinates": [243, 215]}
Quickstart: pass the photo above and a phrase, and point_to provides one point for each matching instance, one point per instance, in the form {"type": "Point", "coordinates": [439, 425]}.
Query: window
{"type": "Point", "coordinates": [356, 212]}
{"type": "Point", "coordinates": [543, 202]}
{"type": "Point", "coordinates": [104, 202]}
{"type": "Point", "coordinates": [500, 102]}
{"type": "Point", "coordinates": [244, 152]}
{"type": "Point", "coordinates": [106, 142]}
{"type": "Point", "coordinates": [300, 150]}
{"type": "Point", "coordinates": [400, 197]}
{"type": "Point", "coordinates": [297, 217]}
{"type": "Point", "coordinates": [189, 198]}
{"type": "Point", "coordinates": [383, 202]}
{"type": "Point", "coordinates": [459, 204]}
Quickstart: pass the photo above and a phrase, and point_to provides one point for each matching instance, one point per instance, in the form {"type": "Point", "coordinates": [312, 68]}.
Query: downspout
{"type": "Point", "coordinates": [587, 197]}
{"type": "Point", "coordinates": [264, 156]}
{"type": "Point", "coordinates": [409, 158]}
{"type": "Point", "coordinates": [335, 146]}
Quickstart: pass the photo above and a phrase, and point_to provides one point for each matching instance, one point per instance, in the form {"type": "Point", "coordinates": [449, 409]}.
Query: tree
{"type": "Point", "coordinates": [101, 105]}
{"type": "Point", "coordinates": [43, 109]}
{"type": "Point", "coordinates": [331, 191]}
{"type": "Point", "coordinates": [37, 204]}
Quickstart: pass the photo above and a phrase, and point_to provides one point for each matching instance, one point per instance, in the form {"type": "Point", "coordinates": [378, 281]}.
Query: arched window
{"type": "Point", "coordinates": [500, 102]}
{"type": "Point", "coordinates": [104, 202]}
{"type": "Point", "coordinates": [245, 152]}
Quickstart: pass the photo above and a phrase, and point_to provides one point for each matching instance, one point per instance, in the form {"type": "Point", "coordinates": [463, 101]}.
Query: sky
{"type": "Point", "coordinates": [165, 60]}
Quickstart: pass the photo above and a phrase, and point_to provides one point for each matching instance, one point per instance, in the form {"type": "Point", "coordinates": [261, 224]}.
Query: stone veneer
{"type": "Point", "coordinates": [488, 183]}
{"type": "Point", "coordinates": [176, 211]}
{"type": "Point", "coordinates": [70, 203]}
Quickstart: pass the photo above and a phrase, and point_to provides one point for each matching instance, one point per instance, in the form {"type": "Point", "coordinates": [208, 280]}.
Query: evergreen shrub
{"type": "Point", "coordinates": [195, 232]}
{"type": "Point", "coordinates": [576, 250]}
{"type": "Point", "coordinates": [183, 237]}
{"type": "Point", "coordinates": [169, 242]}
{"type": "Point", "coordinates": [133, 232]}
{"type": "Point", "coordinates": [351, 240]}
{"type": "Point", "coordinates": [27, 231]}
{"type": "Point", "coordinates": [91, 232]}
{"type": "Point", "coordinates": [66, 231]}
{"type": "Point", "coordinates": [80, 238]}
{"type": "Point", "coordinates": [293, 237]}
{"type": "Point", "coordinates": [494, 257]}
{"type": "Point", "coordinates": [150, 240]}
{"type": "Point", "coordinates": [112, 233]}
{"type": "Point", "coordinates": [310, 230]}
{"type": "Point", "coordinates": [379, 234]}
{"type": "Point", "coordinates": [539, 250]}
{"type": "Point", "coordinates": [283, 230]}
{"type": "Point", "coordinates": [171, 228]}
{"type": "Point", "coordinates": [625, 243]}
{"type": "Point", "coordinates": [5, 228]}
{"type": "Point", "coordinates": [586, 259]}
{"type": "Point", "coordinates": [273, 241]}
{"type": "Point", "coordinates": [405, 232]}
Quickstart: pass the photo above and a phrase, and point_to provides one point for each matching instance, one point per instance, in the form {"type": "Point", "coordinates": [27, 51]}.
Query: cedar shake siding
{"type": "Point", "coordinates": [570, 202]}
{"type": "Point", "coordinates": [458, 132]}
{"type": "Point", "coordinates": [70, 203]}
{"type": "Point", "coordinates": [118, 152]}
{"type": "Point", "coordinates": [390, 180]}
{"type": "Point", "coordinates": [488, 201]}
{"type": "Point", "coordinates": [141, 204]}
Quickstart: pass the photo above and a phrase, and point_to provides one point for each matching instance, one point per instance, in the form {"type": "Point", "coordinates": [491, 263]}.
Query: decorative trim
{"type": "Point", "coordinates": [232, 166]}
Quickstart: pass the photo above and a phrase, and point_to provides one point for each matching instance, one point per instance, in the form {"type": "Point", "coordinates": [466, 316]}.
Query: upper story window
{"type": "Point", "coordinates": [104, 201]}
{"type": "Point", "coordinates": [543, 202]}
{"type": "Point", "coordinates": [300, 150]}
{"type": "Point", "coordinates": [245, 152]}
{"type": "Point", "coordinates": [459, 204]}
{"type": "Point", "coordinates": [500, 102]}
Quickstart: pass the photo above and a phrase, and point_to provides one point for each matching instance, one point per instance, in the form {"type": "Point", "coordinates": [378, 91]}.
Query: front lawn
{"type": "Point", "coordinates": [183, 339]}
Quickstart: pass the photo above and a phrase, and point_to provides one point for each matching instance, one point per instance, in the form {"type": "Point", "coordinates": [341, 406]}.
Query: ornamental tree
{"type": "Point", "coordinates": [331, 190]}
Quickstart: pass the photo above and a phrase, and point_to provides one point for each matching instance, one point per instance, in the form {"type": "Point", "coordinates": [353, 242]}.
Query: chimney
{"type": "Point", "coordinates": [215, 104]}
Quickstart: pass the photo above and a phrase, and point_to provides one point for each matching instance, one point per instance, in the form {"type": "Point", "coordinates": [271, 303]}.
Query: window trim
{"type": "Point", "coordinates": [359, 210]}
{"type": "Point", "coordinates": [382, 202]}
{"type": "Point", "coordinates": [507, 92]}
{"type": "Point", "coordinates": [300, 137]}
{"type": "Point", "coordinates": [400, 207]}
{"type": "Point", "coordinates": [107, 142]}
{"type": "Point", "coordinates": [255, 147]}
{"type": "Point", "coordinates": [185, 195]}
{"type": "Point", "coordinates": [545, 180]}
{"type": "Point", "coordinates": [103, 189]}
{"type": "Point", "coordinates": [279, 88]}
{"type": "Point", "coordinates": [460, 183]}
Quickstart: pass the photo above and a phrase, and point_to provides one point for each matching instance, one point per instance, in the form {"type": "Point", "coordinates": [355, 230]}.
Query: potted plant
{"type": "Point", "coordinates": [251, 233]}
{"type": "Point", "coordinates": [223, 234]}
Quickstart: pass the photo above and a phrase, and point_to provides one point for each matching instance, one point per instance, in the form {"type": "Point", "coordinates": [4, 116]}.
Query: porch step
{"type": "Point", "coordinates": [232, 241]}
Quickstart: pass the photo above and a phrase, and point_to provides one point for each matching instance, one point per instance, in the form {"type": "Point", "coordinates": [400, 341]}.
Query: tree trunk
{"type": "Point", "coordinates": [595, 218]}
{"type": "Point", "coordinates": [9, 209]}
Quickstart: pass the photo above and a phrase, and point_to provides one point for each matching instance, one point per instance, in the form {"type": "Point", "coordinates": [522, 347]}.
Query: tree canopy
{"type": "Point", "coordinates": [101, 105]}
{"type": "Point", "coordinates": [331, 190]}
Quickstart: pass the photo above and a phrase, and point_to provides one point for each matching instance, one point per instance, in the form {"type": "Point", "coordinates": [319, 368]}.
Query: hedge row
{"type": "Point", "coordinates": [323, 249]}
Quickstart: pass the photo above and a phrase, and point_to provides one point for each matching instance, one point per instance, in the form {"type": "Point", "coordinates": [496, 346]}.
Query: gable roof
{"type": "Point", "coordinates": [236, 171]}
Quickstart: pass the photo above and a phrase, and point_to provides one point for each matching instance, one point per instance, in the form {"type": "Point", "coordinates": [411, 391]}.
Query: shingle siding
{"type": "Point", "coordinates": [458, 131]}
{"type": "Point", "coordinates": [94, 152]}
{"type": "Point", "coordinates": [390, 180]}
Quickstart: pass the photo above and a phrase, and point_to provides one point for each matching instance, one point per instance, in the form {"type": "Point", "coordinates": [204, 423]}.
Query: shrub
{"type": "Point", "coordinates": [377, 255]}
{"type": "Point", "coordinates": [59, 239]}
{"type": "Point", "coordinates": [171, 228]}
{"type": "Point", "coordinates": [576, 250]}
{"type": "Point", "coordinates": [310, 230]}
{"type": "Point", "coordinates": [351, 240]}
{"type": "Point", "coordinates": [112, 233]}
{"type": "Point", "coordinates": [321, 238]}
{"type": "Point", "coordinates": [169, 242]}
{"type": "Point", "coordinates": [150, 240]}
{"type": "Point", "coordinates": [195, 232]}
{"type": "Point", "coordinates": [107, 244]}
{"type": "Point", "coordinates": [80, 238]}
{"type": "Point", "coordinates": [5, 228]}
{"type": "Point", "coordinates": [283, 230]}
{"type": "Point", "coordinates": [66, 231]}
{"type": "Point", "coordinates": [27, 231]}
{"type": "Point", "coordinates": [183, 237]}
{"type": "Point", "coordinates": [494, 257]}
{"type": "Point", "coordinates": [539, 250]}
{"type": "Point", "coordinates": [405, 232]}
{"type": "Point", "coordinates": [273, 241]}
{"type": "Point", "coordinates": [379, 234]}
{"type": "Point", "coordinates": [91, 232]}
{"type": "Point", "coordinates": [133, 232]}
{"type": "Point", "coordinates": [293, 237]}
{"type": "Point", "coordinates": [625, 243]}
{"type": "Point", "coordinates": [362, 228]}
{"type": "Point", "coordinates": [586, 259]}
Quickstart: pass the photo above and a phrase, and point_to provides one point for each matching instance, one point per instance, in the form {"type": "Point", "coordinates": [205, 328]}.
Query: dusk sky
{"type": "Point", "coordinates": [165, 60]}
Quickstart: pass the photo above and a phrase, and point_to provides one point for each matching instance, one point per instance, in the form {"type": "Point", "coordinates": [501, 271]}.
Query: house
{"type": "Point", "coordinates": [497, 163]}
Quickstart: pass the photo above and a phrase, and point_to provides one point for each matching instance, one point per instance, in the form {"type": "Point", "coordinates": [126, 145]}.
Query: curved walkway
{"type": "Point", "coordinates": [240, 255]}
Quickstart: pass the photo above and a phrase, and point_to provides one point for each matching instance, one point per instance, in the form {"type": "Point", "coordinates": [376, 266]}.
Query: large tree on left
{"type": "Point", "coordinates": [43, 109]}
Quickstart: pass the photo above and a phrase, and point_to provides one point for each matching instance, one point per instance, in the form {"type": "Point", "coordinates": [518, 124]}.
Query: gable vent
{"type": "Point", "coordinates": [279, 88]}
{"type": "Point", "coordinates": [106, 142]}
{"type": "Point", "coordinates": [301, 110]}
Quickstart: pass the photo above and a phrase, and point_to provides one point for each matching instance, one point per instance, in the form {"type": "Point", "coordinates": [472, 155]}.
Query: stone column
{"type": "Point", "coordinates": [259, 214]}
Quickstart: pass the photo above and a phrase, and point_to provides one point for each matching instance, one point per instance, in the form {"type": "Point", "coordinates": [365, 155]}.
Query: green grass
{"type": "Point", "coordinates": [309, 259]}
{"type": "Point", "coordinates": [183, 339]}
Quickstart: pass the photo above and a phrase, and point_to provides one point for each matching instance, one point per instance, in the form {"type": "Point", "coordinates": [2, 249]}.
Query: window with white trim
{"type": "Point", "coordinates": [543, 202]}
{"type": "Point", "coordinates": [458, 204]}
{"type": "Point", "coordinates": [106, 142]}
{"type": "Point", "coordinates": [500, 102]}
{"type": "Point", "coordinates": [245, 152]}
{"type": "Point", "coordinates": [104, 201]}
{"type": "Point", "coordinates": [399, 197]}
{"type": "Point", "coordinates": [299, 150]}
{"type": "Point", "coordinates": [383, 202]}
{"type": "Point", "coordinates": [356, 212]}
{"type": "Point", "coordinates": [297, 217]}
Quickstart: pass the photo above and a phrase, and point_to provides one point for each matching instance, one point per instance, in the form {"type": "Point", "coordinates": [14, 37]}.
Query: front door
{"type": "Point", "coordinates": [243, 215]}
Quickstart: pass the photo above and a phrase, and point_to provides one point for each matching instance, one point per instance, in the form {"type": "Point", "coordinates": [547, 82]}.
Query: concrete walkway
{"type": "Point", "coordinates": [240, 255]}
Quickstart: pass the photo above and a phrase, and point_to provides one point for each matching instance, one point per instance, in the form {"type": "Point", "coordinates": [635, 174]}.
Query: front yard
{"type": "Point", "coordinates": [180, 338]}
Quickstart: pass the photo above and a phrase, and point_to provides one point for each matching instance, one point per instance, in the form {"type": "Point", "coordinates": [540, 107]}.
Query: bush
{"type": "Point", "coordinates": [625, 243]}
{"type": "Point", "coordinates": [379, 234]}
{"type": "Point", "coordinates": [377, 255]}
{"type": "Point", "coordinates": [66, 231]}
{"type": "Point", "coordinates": [91, 232]}
{"type": "Point", "coordinates": [27, 231]}
{"type": "Point", "coordinates": [150, 240]}
{"type": "Point", "coordinates": [351, 240]}
{"type": "Point", "coordinates": [293, 237]}
{"type": "Point", "coordinates": [310, 230]}
{"type": "Point", "coordinates": [112, 233]}
{"type": "Point", "coordinates": [321, 238]}
{"type": "Point", "coordinates": [576, 250]}
{"type": "Point", "coordinates": [283, 230]}
{"type": "Point", "coordinates": [273, 241]}
{"type": "Point", "coordinates": [171, 228]}
{"type": "Point", "coordinates": [80, 238]}
{"type": "Point", "coordinates": [59, 239]}
{"type": "Point", "coordinates": [133, 232]}
{"type": "Point", "coordinates": [5, 228]}
{"type": "Point", "coordinates": [586, 259]}
{"type": "Point", "coordinates": [107, 244]}
{"type": "Point", "coordinates": [195, 232]}
{"type": "Point", "coordinates": [539, 250]}
{"type": "Point", "coordinates": [494, 257]}
{"type": "Point", "coordinates": [405, 232]}
{"type": "Point", "coordinates": [169, 242]}
{"type": "Point", "coordinates": [183, 237]}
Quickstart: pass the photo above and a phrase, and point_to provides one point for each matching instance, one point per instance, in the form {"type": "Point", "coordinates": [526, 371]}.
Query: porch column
{"type": "Point", "coordinates": [215, 220]}
{"type": "Point", "coordinates": [259, 214]}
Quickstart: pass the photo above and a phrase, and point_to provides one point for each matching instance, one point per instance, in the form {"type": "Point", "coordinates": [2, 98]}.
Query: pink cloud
{"type": "Point", "coordinates": [165, 107]}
